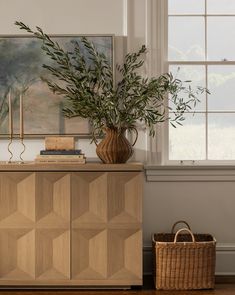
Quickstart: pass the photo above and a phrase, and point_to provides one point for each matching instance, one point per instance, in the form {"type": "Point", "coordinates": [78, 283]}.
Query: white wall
{"type": "Point", "coordinates": [207, 205]}
{"type": "Point", "coordinates": [63, 17]}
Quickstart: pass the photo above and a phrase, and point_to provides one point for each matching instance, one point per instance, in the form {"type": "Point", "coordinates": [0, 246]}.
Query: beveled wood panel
{"type": "Point", "coordinates": [52, 254]}
{"type": "Point", "coordinates": [17, 254]}
{"type": "Point", "coordinates": [52, 208]}
{"type": "Point", "coordinates": [52, 211]}
{"type": "Point", "coordinates": [34, 226]}
{"type": "Point", "coordinates": [124, 197]}
{"type": "Point", "coordinates": [89, 198]}
{"type": "Point", "coordinates": [124, 259]}
{"type": "Point", "coordinates": [111, 255]}
{"type": "Point", "coordinates": [106, 222]}
{"type": "Point", "coordinates": [101, 197]}
{"type": "Point", "coordinates": [17, 200]}
{"type": "Point", "coordinates": [89, 252]}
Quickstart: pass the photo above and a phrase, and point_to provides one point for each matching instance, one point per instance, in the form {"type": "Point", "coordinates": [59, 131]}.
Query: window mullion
{"type": "Point", "coordinates": [206, 77]}
{"type": "Point", "coordinates": [206, 141]}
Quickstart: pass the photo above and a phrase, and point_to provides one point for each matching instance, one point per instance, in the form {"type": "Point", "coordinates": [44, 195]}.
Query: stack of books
{"type": "Point", "coordinates": [58, 156]}
{"type": "Point", "coordinates": [60, 149]}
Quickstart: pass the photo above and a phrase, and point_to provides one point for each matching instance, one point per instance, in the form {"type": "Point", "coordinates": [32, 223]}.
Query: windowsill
{"type": "Point", "coordinates": [194, 173]}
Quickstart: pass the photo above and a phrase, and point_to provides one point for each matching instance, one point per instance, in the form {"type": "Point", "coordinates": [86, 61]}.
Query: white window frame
{"type": "Point", "coordinates": [162, 146]}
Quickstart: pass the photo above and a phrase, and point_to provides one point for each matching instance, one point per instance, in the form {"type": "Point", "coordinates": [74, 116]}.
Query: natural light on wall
{"type": "Point", "coordinates": [201, 42]}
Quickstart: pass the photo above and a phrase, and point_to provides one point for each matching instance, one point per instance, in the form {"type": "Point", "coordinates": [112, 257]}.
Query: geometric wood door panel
{"type": "Point", "coordinates": [52, 208]}
{"type": "Point", "coordinates": [124, 197]}
{"type": "Point", "coordinates": [17, 217]}
{"type": "Point", "coordinates": [89, 198]}
{"type": "Point", "coordinates": [17, 200]}
{"type": "Point", "coordinates": [52, 254]}
{"type": "Point", "coordinates": [113, 254]}
{"type": "Point", "coordinates": [17, 254]}
{"type": "Point", "coordinates": [26, 198]}
{"type": "Point", "coordinates": [28, 254]}
{"type": "Point", "coordinates": [34, 226]}
{"type": "Point", "coordinates": [89, 252]}
{"type": "Point", "coordinates": [106, 227]}
{"type": "Point", "coordinates": [124, 254]}
{"type": "Point", "coordinates": [52, 214]}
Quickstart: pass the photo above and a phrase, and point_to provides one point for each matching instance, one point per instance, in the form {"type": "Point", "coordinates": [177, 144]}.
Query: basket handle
{"type": "Point", "coordinates": [177, 222]}
{"type": "Point", "coordinates": [136, 135]}
{"type": "Point", "coordinates": [184, 229]}
{"type": "Point", "coordinates": [153, 238]}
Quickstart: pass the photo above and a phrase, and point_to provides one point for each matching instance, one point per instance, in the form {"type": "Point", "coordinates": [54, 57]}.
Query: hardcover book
{"type": "Point", "coordinates": [74, 161]}
{"type": "Point", "coordinates": [60, 157]}
{"type": "Point", "coordinates": [60, 152]}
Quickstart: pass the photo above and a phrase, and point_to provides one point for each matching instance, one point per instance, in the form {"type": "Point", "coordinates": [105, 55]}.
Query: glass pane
{"type": "Point", "coordinates": [194, 73]}
{"type": "Point", "coordinates": [221, 38]}
{"type": "Point", "coordinates": [221, 136]}
{"type": "Point", "coordinates": [186, 6]}
{"type": "Point", "coordinates": [186, 38]}
{"type": "Point", "coordinates": [188, 142]}
{"type": "Point", "coordinates": [220, 6]}
{"type": "Point", "coordinates": [222, 87]}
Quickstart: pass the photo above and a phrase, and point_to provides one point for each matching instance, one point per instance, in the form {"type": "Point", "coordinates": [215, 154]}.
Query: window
{"type": "Point", "coordinates": [201, 42]}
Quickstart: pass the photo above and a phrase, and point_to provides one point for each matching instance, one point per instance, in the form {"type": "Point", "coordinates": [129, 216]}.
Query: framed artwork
{"type": "Point", "coordinates": [21, 60]}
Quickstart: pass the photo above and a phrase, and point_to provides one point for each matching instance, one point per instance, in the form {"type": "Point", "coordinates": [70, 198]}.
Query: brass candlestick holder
{"type": "Point", "coordinates": [9, 149]}
{"type": "Point", "coordinates": [21, 129]}
{"type": "Point", "coordinates": [11, 153]}
{"type": "Point", "coordinates": [24, 148]}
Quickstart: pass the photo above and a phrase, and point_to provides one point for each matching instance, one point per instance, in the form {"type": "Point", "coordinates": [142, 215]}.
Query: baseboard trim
{"type": "Point", "coordinates": [225, 279]}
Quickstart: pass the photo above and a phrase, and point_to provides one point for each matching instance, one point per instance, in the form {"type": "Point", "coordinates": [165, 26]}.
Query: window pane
{"type": "Point", "coordinates": [188, 142]}
{"type": "Point", "coordinates": [194, 73]}
{"type": "Point", "coordinates": [186, 38]}
{"type": "Point", "coordinates": [222, 87]}
{"type": "Point", "coordinates": [221, 136]}
{"type": "Point", "coordinates": [221, 38]}
{"type": "Point", "coordinates": [186, 6]}
{"type": "Point", "coordinates": [220, 6]}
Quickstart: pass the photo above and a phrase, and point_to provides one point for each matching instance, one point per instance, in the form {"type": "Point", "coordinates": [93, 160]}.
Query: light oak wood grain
{"type": "Point", "coordinates": [32, 166]}
{"type": "Point", "coordinates": [73, 227]}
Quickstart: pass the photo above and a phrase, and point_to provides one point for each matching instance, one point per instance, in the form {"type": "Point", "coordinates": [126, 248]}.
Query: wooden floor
{"type": "Point", "coordinates": [227, 289]}
{"type": "Point", "coordinates": [147, 289]}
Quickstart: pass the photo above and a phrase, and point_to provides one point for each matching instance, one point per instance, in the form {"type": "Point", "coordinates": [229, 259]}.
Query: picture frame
{"type": "Point", "coordinates": [21, 60]}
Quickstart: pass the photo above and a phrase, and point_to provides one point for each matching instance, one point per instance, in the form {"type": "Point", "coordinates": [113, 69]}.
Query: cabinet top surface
{"type": "Point", "coordinates": [32, 166]}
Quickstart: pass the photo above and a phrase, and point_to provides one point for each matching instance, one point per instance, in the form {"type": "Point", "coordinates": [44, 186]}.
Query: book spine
{"type": "Point", "coordinates": [60, 152]}
{"type": "Point", "coordinates": [60, 157]}
{"type": "Point", "coordinates": [81, 161]}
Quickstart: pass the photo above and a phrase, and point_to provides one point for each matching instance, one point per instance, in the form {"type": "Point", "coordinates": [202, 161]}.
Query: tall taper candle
{"type": "Point", "coordinates": [10, 115]}
{"type": "Point", "coordinates": [21, 118]}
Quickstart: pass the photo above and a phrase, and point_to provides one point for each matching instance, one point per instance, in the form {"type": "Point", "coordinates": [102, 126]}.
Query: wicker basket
{"type": "Point", "coordinates": [183, 261]}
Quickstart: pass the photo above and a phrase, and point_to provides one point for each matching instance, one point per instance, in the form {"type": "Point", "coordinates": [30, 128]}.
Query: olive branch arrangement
{"type": "Point", "coordinates": [89, 90]}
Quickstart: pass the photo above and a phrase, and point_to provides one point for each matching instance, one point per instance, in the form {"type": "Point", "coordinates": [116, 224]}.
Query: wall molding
{"type": "Point", "coordinates": [190, 173]}
{"type": "Point", "coordinates": [225, 259]}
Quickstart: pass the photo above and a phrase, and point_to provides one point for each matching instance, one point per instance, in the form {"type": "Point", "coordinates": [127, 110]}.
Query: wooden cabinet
{"type": "Point", "coordinates": [71, 225]}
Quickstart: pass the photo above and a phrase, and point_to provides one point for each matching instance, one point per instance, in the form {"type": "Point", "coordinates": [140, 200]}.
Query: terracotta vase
{"type": "Point", "coordinates": [114, 148]}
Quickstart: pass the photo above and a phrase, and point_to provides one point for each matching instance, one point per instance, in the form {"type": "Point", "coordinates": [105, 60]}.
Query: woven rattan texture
{"type": "Point", "coordinates": [184, 265]}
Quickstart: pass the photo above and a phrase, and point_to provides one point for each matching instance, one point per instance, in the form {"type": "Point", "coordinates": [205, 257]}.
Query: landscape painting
{"type": "Point", "coordinates": [21, 60]}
